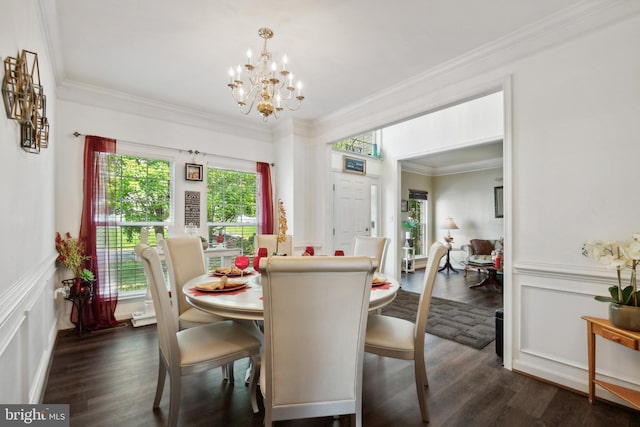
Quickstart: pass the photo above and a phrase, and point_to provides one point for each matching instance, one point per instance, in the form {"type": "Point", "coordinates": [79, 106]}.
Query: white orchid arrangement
{"type": "Point", "coordinates": [618, 256]}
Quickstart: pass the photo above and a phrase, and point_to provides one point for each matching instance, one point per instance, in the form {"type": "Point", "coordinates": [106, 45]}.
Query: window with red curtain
{"type": "Point", "coordinates": [94, 231]}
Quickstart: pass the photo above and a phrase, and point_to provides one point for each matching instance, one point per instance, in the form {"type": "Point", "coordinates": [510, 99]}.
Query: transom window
{"type": "Point", "coordinates": [367, 144]}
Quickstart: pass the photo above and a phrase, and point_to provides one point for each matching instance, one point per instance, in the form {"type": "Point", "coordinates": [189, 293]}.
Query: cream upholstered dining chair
{"type": "Point", "coordinates": [312, 362]}
{"type": "Point", "coordinates": [185, 260]}
{"type": "Point", "coordinates": [400, 339]}
{"type": "Point", "coordinates": [269, 241]}
{"type": "Point", "coordinates": [375, 247]}
{"type": "Point", "coordinates": [192, 350]}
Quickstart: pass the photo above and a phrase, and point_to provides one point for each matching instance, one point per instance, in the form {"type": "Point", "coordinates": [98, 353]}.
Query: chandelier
{"type": "Point", "coordinates": [267, 88]}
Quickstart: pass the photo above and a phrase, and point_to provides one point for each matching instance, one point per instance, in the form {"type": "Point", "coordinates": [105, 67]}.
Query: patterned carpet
{"type": "Point", "coordinates": [456, 321]}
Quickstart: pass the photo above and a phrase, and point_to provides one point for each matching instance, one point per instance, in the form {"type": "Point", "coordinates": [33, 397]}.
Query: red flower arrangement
{"type": "Point", "coordinates": [71, 253]}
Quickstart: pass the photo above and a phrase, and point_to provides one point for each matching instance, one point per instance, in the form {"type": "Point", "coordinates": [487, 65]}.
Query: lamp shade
{"type": "Point", "coordinates": [448, 224]}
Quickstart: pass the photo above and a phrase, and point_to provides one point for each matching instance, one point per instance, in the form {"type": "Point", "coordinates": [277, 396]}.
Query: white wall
{"type": "Point", "coordinates": [575, 151]}
{"type": "Point", "coordinates": [27, 253]}
{"type": "Point", "coordinates": [571, 150]}
{"type": "Point", "coordinates": [468, 199]}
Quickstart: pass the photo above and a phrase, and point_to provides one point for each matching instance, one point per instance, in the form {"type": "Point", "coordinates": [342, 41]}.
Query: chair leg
{"type": "Point", "coordinates": [421, 376]}
{"type": "Point", "coordinates": [228, 372]}
{"type": "Point", "coordinates": [426, 378]}
{"type": "Point", "coordinates": [162, 374]}
{"type": "Point", "coordinates": [253, 383]}
{"type": "Point", "coordinates": [175, 382]}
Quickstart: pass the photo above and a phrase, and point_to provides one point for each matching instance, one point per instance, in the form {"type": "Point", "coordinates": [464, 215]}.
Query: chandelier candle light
{"type": "Point", "coordinates": [272, 89]}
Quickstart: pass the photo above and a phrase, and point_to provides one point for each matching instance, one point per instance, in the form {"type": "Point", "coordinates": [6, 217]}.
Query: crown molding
{"type": "Point", "coordinates": [414, 167]}
{"type": "Point", "coordinates": [409, 166]}
{"type": "Point", "coordinates": [406, 100]}
{"type": "Point", "coordinates": [131, 104]}
{"type": "Point", "coordinates": [51, 34]}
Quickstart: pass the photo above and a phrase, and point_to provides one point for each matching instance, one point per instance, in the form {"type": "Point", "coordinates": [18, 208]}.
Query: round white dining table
{"type": "Point", "coordinates": [246, 303]}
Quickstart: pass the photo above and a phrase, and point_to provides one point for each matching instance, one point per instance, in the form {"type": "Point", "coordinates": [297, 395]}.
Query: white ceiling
{"type": "Point", "coordinates": [178, 53]}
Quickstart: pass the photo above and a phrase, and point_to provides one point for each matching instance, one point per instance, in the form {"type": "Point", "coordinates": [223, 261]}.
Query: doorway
{"type": "Point", "coordinates": [355, 209]}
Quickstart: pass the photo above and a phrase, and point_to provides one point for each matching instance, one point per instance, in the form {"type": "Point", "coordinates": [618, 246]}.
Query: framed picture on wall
{"type": "Point", "coordinates": [498, 202]}
{"type": "Point", "coordinates": [193, 172]}
{"type": "Point", "coordinates": [354, 165]}
{"type": "Point", "coordinates": [404, 206]}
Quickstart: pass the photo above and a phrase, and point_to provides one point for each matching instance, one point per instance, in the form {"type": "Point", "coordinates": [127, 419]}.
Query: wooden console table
{"type": "Point", "coordinates": [631, 339]}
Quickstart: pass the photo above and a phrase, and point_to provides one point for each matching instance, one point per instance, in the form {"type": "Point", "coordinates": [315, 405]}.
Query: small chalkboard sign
{"type": "Point", "coordinates": [354, 165]}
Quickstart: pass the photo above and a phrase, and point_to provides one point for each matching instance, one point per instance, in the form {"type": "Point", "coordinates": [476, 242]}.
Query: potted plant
{"type": "Point", "coordinates": [205, 242]}
{"type": "Point", "coordinates": [86, 282]}
{"type": "Point", "coordinates": [410, 224]}
{"type": "Point", "coordinates": [624, 310]}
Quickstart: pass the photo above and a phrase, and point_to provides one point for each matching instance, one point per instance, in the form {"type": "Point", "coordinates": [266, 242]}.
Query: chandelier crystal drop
{"type": "Point", "coordinates": [264, 86]}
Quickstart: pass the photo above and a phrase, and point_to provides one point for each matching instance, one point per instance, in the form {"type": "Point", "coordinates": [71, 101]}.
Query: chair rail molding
{"type": "Point", "coordinates": [590, 274]}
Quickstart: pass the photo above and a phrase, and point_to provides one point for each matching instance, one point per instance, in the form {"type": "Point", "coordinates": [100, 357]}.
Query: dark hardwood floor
{"type": "Point", "coordinates": [109, 378]}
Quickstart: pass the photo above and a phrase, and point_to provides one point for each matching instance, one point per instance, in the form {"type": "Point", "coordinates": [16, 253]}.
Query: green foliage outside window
{"type": "Point", "coordinates": [231, 207]}
{"type": "Point", "coordinates": [415, 212]}
{"type": "Point", "coordinates": [139, 195]}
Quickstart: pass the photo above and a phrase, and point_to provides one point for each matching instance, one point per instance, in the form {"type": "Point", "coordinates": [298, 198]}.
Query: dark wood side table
{"type": "Point", "coordinates": [79, 296]}
{"type": "Point", "coordinates": [447, 265]}
{"type": "Point", "coordinates": [630, 339]}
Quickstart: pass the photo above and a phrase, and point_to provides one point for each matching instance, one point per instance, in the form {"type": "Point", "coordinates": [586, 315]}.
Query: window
{"type": "Point", "coordinates": [418, 210]}
{"type": "Point", "coordinates": [231, 208]}
{"type": "Point", "coordinates": [367, 144]}
{"type": "Point", "coordinates": [139, 196]}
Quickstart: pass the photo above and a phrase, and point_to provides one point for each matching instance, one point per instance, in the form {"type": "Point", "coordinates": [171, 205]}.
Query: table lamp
{"type": "Point", "coordinates": [448, 224]}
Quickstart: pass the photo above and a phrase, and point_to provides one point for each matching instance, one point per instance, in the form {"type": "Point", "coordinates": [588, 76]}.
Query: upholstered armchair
{"type": "Point", "coordinates": [479, 252]}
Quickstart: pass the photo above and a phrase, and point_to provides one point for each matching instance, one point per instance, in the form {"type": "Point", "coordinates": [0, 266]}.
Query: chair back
{"type": "Point", "coordinates": [375, 247]}
{"type": "Point", "coordinates": [312, 363]}
{"type": "Point", "coordinates": [167, 323]}
{"type": "Point", "coordinates": [269, 241]}
{"type": "Point", "coordinates": [185, 260]}
{"type": "Point", "coordinates": [436, 252]}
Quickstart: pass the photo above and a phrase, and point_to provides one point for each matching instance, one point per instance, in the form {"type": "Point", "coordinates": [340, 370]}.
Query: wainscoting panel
{"type": "Point", "coordinates": [28, 330]}
{"type": "Point", "coordinates": [550, 338]}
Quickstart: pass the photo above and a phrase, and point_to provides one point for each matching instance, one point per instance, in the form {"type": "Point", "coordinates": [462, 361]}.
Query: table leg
{"type": "Point", "coordinates": [591, 355]}
{"type": "Point", "coordinates": [447, 265]}
{"type": "Point", "coordinates": [491, 279]}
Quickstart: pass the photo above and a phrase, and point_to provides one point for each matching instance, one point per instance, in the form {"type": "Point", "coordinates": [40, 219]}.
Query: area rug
{"type": "Point", "coordinates": [455, 321]}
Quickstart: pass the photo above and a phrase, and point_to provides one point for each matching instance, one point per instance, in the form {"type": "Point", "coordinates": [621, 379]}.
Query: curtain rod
{"type": "Point", "coordinates": [196, 152]}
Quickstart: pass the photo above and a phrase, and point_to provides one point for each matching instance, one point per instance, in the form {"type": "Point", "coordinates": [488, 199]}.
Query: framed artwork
{"type": "Point", "coordinates": [354, 165]}
{"type": "Point", "coordinates": [498, 202]}
{"type": "Point", "coordinates": [404, 206]}
{"type": "Point", "coordinates": [193, 172]}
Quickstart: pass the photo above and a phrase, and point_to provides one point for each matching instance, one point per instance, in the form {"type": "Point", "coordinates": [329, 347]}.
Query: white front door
{"type": "Point", "coordinates": [352, 208]}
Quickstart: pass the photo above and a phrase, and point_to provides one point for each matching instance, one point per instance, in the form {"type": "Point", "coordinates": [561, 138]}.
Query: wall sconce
{"type": "Point", "coordinates": [25, 101]}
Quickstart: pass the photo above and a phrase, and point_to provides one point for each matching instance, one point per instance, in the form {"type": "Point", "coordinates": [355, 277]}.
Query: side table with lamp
{"type": "Point", "coordinates": [448, 224]}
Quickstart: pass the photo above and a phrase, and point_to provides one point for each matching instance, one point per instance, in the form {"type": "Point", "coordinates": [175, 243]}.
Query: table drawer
{"type": "Point", "coordinates": [632, 343]}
